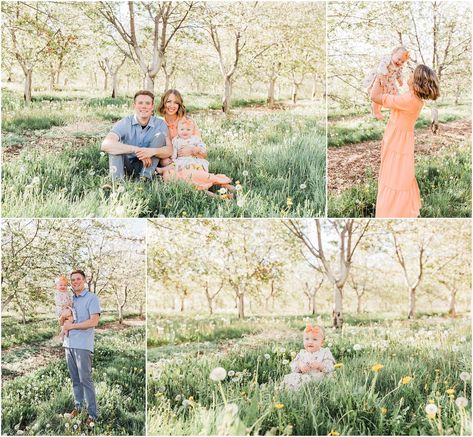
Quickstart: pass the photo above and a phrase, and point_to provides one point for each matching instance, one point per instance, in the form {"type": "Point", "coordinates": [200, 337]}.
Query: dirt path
{"type": "Point", "coordinates": [21, 360]}
{"type": "Point", "coordinates": [348, 165]}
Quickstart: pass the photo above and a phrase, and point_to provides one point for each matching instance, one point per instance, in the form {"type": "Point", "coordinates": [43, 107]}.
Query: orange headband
{"type": "Point", "coordinates": [312, 329]}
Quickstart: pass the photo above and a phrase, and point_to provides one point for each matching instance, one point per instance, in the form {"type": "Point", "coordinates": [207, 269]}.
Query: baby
{"type": "Point", "coordinates": [185, 138]}
{"type": "Point", "coordinates": [313, 362]}
{"type": "Point", "coordinates": [63, 301]}
{"type": "Point", "coordinates": [390, 70]}
{"type": "Point", "coordinates": [192, 169]}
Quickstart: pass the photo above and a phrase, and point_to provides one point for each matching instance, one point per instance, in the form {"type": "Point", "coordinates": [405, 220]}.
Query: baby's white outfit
{"type": "Point", "coordinates": [295, 379]}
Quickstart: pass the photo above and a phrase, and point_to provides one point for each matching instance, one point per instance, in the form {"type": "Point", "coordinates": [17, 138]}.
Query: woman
{"type": "Point", "coordinates": [172, 108]}
{"type": "Point", "coordinates": [398, 192]}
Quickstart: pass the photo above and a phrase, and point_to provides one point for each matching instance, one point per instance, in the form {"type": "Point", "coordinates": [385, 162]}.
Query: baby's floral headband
{"type": "Point", "coordinates": [405, 56]}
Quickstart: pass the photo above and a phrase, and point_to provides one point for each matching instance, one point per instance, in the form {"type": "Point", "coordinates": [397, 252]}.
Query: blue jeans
{"type": "Point", "coordinates": [79, 362]}
{"type": "Point", "coordinates": [121, 165]}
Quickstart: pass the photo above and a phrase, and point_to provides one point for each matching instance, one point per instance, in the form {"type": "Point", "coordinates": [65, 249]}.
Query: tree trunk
{"type": "Point", "coordinates": [105, 82]}
{"type": "Point", "coordinates": [241, 305]}
{"type": "Point", "coordinates": [114, 85]}
{"type": "Point", "coordinates": [314, 86]}
{"type": "Point", "coordinates": [452, 310]}
{"type": "Point", "coordinates": [210, 305]}
{"type": "Point", "coordinates": [358, 304]}
{"type": "Point", "coordinates": [52, 80]}
{"type": "Point", "coordinates": [313, 305]}
{"type": "Point", "coordinates": [227, 90]}
{"type": "Point", "coordinates": [149, 83]}
{"type": "Point", "coordinates": [28, 84]}
{"type": "Point", "coordinates": [337, 314]}
{"type": "Point", "coordinates": [295, 90]}
{"type": "Point", "coordinates": [412, 304]}
{"type": "Point", "coordinates": [167, 82]}
{"type": "Point", "coordinates": [271, 88]}
{"type": "Point", "coordinates": [120, 314]}
{"type": "Point", "coordinates": [183, 298]}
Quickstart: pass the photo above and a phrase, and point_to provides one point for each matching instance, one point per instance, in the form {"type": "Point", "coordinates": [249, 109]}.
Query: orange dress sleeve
{"type": "Point", "coordinates": [403, 102]}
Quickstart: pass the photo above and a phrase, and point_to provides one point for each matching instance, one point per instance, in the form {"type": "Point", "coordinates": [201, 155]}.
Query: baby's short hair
{"type": "Point", "coordinates": [184, 121]}
{"type": "Point", "coordinates": [61, 278]}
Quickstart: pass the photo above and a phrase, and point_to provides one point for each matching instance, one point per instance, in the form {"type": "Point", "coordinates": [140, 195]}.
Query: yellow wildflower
{"type": "Point", "coordinates": [406, 380]}
{"type": "Point", "coordinates": [377, 367]}
{"type": "Point", "coordinates": [450, 391]}
{"type": "Point", "coordinates": [338, 365]}
{"type": "Point", "coordinates": [333, 432]}
{"type": "Point", "coordinates": [279, 406]}
{"type": "Point", "coordinates": [384, 411]}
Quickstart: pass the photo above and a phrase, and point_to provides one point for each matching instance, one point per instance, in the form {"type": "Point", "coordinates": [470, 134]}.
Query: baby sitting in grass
{"type": "Point", "coordinates": [313, 362]}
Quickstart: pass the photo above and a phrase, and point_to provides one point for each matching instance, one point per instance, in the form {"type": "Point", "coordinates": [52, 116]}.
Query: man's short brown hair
{"type": "Point", "coordinates": [143, 93]}
{"type": "Point", "coordinates": [80, 272]}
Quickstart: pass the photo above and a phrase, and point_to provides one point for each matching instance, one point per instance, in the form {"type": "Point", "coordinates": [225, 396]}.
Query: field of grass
{"type": "Point", "coordinates": [35, 402]}
{"type": "Point", "coordinates": [425, 364]}
{"type": "Point", "coordinates": [278, 157]}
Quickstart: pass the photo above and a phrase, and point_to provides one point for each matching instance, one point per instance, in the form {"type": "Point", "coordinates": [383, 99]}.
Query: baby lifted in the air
{"type": "Point", "coordinates": [313, 362]}
{"type": "Point", "coordinates": [390, 70]}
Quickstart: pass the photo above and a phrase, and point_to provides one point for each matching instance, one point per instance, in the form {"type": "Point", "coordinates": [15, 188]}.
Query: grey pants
{"type": "Point", "coordinates": [120, 165]}
{"type": "Point", "coordinates": [79, 362]}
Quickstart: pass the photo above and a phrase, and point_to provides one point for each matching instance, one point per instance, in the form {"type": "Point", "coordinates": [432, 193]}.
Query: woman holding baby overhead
{"type": "Point", "coordinates": [188, 161]}
{"type": "Point", "coordinates": [398, 192]}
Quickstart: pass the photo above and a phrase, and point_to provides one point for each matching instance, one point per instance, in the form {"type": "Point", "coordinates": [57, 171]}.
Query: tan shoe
{"type": "Point", "coordinates": [74, 413]}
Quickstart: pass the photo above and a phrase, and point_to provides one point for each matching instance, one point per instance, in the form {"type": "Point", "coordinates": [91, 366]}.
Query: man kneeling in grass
{"type": "Point", "coordinates": [137, 142]}
{"type": "Point", "coordinates": [79, 346]}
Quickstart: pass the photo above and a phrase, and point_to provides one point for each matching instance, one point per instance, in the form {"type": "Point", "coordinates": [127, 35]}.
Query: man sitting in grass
{"type": "Point", "coordinates": [137, 142]}
{"type": "Point", "coordinates": [79, 346]}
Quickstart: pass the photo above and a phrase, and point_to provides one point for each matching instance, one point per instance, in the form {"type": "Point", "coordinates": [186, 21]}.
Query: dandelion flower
{"type": "Point", "coordinates": [279, 405]}
{"type": "Point", "coordinates": [302, 186]}
{"type": "Point", "coordinates": [250, 152]}
{"type": "Point", "coordinates": [450, 391]}
{"type": "Point", "coordinates": [461, 401]}
{"type": "Point", "coordinates": [338, 365]}
{"type": "Point", "coordinates": [91, 424]}
{"type": "Point", "coordinates": [455, 348]}
{"type": "Point", "coordinates": [231, 373]}
{"type": "Point", "coordinates": [185, 403]}
{"type": "Point", "coordinates": [333, 432]}
{"type": "Point", "coordinates": [102, 153]}
{"type": "Point", "coordinates": [285, 362]}
{"type": "Point", "coordinates": [267, 356]}
{"type": "Point", "coordinates": [465, 376]}
{"type": "Point", "coordinates": [222, 190]}
{"type": "Point", "coordinates": [113, 169]}
{"type": "Point", "coordinates": [357, 347]}
{"type": "Point", "coordinates": [238, 187]}
{"type": "Point", "coordinates": [35, 180]}
{"type": "Point", "coordinates": [431, 410]}
{"type": "Point", "coordinates": [218, 374]}
{"type": "Point", "coordinates": [120, 210]}
{"type": "Point", "coordinates": [120, 189]}
{"type": "Point", "coordinates": [384, 411]}
{"type": "Point", "coordinates": [289, 201]}
{"type": "Point", "coordinates": [245, 173]}
{"type": "Point", "coordinates": [377, 367]}
{"type": "Point", "coordinates": [406, 380]}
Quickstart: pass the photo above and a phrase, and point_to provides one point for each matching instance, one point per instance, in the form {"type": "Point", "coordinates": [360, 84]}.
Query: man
{"type": "Point", "coordinates": [79, 345]}
{"type": "Point", "coordinates": [137, 142]}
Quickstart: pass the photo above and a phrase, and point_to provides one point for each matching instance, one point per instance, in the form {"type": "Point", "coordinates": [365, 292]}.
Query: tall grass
{"type": "Point", "coordinates": [279, 159]}
{"type": "Point", "coordinates": [250, 400]}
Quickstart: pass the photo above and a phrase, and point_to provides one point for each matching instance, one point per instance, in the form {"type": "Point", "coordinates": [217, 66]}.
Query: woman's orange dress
{"type": "Point", "coordinates": [194, 175]}
{"type": "Point", "coordinates": [398, 192]}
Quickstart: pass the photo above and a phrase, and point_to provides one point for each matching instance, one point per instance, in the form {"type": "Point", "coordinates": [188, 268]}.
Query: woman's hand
{"type": "Point", "coordinates": [186, 151]}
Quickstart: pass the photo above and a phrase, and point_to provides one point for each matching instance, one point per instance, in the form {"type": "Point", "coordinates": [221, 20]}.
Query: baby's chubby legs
{"type": "Point", "coordinates": [376, 108]}
{"type": "Point", "coordinates": [165, 164]}
{"type": "Point", "coordinates": [66, 316]}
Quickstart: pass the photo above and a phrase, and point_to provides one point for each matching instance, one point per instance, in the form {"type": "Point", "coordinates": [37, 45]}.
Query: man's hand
{"type": "Point", "coordinates": [146, 162]}
{"type": "Point", "coordinates": [186, 151]}
{"type": "Point", "coordinates": [68, 326]}
{"type": "Point", "coordinates": [144, 152]}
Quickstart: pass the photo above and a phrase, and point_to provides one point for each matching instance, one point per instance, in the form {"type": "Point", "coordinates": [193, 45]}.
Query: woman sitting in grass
{"type": "Point", "coordinates": [313, 362]}
{"type": "Point", "coordinates": [188, 160]}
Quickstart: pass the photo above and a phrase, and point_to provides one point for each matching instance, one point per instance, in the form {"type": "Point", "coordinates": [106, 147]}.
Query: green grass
{"type": "Point", "coordinates": [444, 183]}
{"type": "Point", "coordinates": [182, 400]}
{"type": "Point", "coordinates": [37, 329]}
{"type": "Point", "coordinates": [275, 157]}
{"type": "Point", "coordinates": [367, 129]}
{"type": "Point", "coordinates": [34, 404]}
